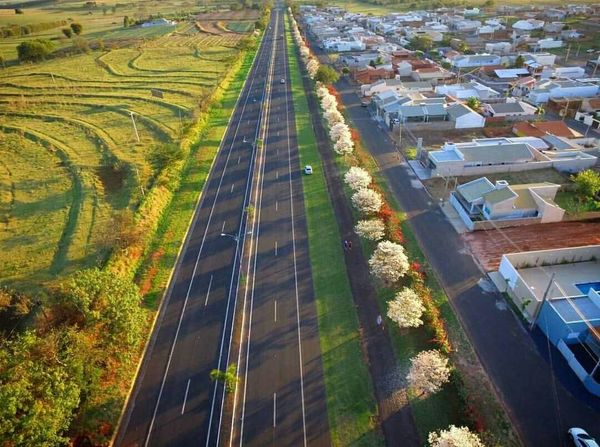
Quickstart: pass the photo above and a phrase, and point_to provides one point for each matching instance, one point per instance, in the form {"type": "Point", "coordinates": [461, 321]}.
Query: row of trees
{"type": "Point", "coordinates": [389, 262]}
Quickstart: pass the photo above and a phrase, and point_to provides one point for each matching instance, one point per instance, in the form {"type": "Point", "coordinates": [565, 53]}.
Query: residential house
{"type": "Point", "coordinates": [476, 60]}
{"type": "Point", "coordinates": [433, 74]}
{"type": "Point", "coordinates": [555, 14]}
{"type": "Point", "coordinates": [501, 48]}
{"type": "Point", "coordinates": [159, 22]}
{"type": "Point", "coordinates": [471, 89]}
{"type": "Point", "coordinates": [559, 291]}
{"type": "Point", "coordinates": [568, 72]}
{"type": "Point", "coordinates": [542, 128]}
{"type": "Point", "coordinates": [382, 85]}
{"type": "Point", "coordinates": [509, 110]}
{"type": "Point", "coordinates": [368, 74]}
{"type": "Point", "coordinates": [338, 44]}
{"type": "Point", "coordinates": [563, 88]}
{"type": "Point", "coordinates": [544, 44]}
{"type": "Point", "coordinates": [464, 117]}
{"type": "Point", "coordinates": [522, 86]}
{"type": "Point", "coordinates": [554, 27]}
{"type": "Point", "coordinates": [481, 202]}
{"type": "Point", "coordinates": [528, 25]}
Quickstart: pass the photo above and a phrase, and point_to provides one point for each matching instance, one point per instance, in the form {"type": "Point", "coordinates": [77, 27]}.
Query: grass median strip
{"type": "Point", "coordinates": [351, 404]}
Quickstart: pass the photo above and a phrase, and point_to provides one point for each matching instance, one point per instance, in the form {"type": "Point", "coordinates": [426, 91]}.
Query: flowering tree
{"type": "Point", "coordinates": [339, 130]}
{"type": "Point", "coordinates": [322, 90]}
{"type": "Point", "coordinates": [344, 145]}
{"type": "Point", "coordinates": [429, 370]}
{"type": "Point", "coordinates": [304, 52]}
{"type": "Point", "coordinates": [372, 229]}
{"type": "Point", "coordinates": [312, 66]}
{"type": "Point", "coordinates": [328, 102]}
{"type": "Point", "coordinates": [389, 262]}
{"type": "Point", "coordinates": [406, 308]}
{"type": "Point", "coordinates": [333, 117]}
{"type": "Point", "coordinates": [357, 178]}
{"type": "Point", "coordinates": [454, 437]}
{"type": "Point", "coordinates": [367, 201]}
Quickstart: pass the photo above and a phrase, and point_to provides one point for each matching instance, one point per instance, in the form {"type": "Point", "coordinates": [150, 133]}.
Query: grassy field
{"type": "Point", "coordinates": [89, 121]}
{"type": "Point", "coordinates": [350, 403]}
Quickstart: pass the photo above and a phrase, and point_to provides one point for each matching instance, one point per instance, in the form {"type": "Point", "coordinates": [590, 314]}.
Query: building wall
{"type": "Point", "coordinates": [469, 121]}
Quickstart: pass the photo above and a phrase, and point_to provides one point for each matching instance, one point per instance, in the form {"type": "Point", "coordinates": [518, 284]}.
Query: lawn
{"type": "Point", "coordinates": [350, 401]}
{"type": "Point", "coordinates": [96, 114]}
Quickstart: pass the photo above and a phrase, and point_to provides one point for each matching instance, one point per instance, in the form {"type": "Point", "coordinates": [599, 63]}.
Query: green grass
{"type": "Point", "coordinates": [571, 203]}
{"type": "Point", "coordinates": [350, 402]}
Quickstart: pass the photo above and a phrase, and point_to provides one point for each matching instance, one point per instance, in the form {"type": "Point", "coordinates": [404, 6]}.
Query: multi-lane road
{"type": "Point", "coordinates": [242, 292]}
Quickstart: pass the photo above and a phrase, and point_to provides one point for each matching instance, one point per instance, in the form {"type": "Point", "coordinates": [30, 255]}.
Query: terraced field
{"type": "Point", "coordinates": [75, 134]}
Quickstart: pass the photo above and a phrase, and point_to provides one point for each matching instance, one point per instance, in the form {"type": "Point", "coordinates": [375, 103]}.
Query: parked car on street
{"type": "Point", "coordinates": [581, 438]}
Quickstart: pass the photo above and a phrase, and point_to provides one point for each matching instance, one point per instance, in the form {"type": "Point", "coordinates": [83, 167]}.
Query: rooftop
{"type": "Point", "coordinates": [475, 189]}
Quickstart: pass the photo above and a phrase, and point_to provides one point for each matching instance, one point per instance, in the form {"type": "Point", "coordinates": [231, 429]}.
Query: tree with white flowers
{"type": "Point", "coordinates": [312, 66]}
{"type": "Point", "coordinates": [322, 90]}
{"type": "Point", "coordinates": [357, 178]}
{"type": "Point", "coordinates": [304, 52]}
{"type": "Point", "coordinates": [372, 229]}
{"type": "Point", "coordinates": [344, 145]}
{"type": "Point", "coordinates": [429, 370]}
{"type": "Point", "coordinates": [329, 102]}
{"type": "Point", "coordinates": [367, 201]}
{"type": "Point", "coordinates": [389, 262]}
{"type": "Point", "coordinates": [333, 117]}
{"type": "Point", "coordinates": [406, 308]}
{"type": "Point", "coordinates": [338, 130]}
{"type": "Point", "coordinates": [454, 437]}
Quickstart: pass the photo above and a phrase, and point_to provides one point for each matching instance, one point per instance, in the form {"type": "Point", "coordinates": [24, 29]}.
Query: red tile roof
{"type": "Point", "coordinates": [541, 128]}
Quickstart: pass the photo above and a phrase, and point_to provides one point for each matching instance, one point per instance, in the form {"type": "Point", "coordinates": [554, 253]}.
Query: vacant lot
{"type": "Point", "coordinates": [489, 246]}
{"type": "Point", "coordinates": [76, 131]}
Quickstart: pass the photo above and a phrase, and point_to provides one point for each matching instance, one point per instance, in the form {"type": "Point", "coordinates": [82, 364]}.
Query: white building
{"type": "Point", "coordinates": [467, 90]}
{"type": "Point", "coordinates": [464, 117]}
{"type": "Point", "coordinates": [528, 25]}
{"type": "Point", "coordinates": [562, 88]}
{"type": "Point", "coordinates": [476, 60]}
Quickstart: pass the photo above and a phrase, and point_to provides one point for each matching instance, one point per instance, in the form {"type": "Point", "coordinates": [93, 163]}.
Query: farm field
{"type": "Point", "coordinates": [76, 131]}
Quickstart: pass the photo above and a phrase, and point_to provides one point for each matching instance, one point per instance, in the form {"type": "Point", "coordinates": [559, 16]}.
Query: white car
{"type": "Point", "coordinates": [282, 81]}
{"type": "Point", "coordinates": [581, 438]}
{"type": "Point", "coordinates": [308, 170]}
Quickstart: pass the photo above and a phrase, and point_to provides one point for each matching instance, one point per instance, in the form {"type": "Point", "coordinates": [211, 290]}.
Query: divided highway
{"type": "Point", "coordinates": [263, 254]}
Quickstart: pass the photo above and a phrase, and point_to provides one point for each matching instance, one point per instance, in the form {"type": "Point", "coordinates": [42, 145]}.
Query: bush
{"type": "Point", "coordinates": [326, 75]}
{"type": "Point", "coordinates": [77, 28]}
{"type": "Point", "coordinates": [68, 32]}
{"type": "Point", "coordinates": [34, 50]}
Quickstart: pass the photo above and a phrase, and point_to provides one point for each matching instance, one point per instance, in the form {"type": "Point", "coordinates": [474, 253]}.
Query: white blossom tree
{"type": "Point", "coordinates": [312, 66]}
{"type": "Point", "coordinates": [328, 102]}
{"type": "Point", "coordinates": [333, 117]}
{"type": "Point", "coordinates": [454, 437]}
{"type": "Point", "coordinates": [357, 178]}
{"type": "Point", "coordinates": [367, 201]}
{"type": "Point", "coordinates": [372, 229]}
{"type": "Point", "coordinates": [304, 52]}
{"type": "Point", "coordinates": [339, 130]}
{"type": "Point", "coordinates": [406, 308]}
{"type": "Point", "coordinates": [429, 370]}
{"type": "Point", "coordinates": [344, 145]}
{"type": "Point", "coordinates": [322, 90]}
{"type": "Point", "coordinates": [389, 262]}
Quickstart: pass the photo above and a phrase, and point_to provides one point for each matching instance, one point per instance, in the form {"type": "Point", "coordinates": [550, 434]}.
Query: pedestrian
{"type": "Point", "coordinates": [345, 245]}
{"type": "Point", "coordinates": [349, 245]}
{"type": "Point", "coordinates": [379, 321]}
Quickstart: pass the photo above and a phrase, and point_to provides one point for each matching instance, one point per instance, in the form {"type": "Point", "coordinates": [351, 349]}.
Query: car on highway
{"type": "Point", "coordinates": [282, 81]}
{"type": "Point", "coordinates": [581, 438]}
{"type": "Point", "coordinates": [308, 170]}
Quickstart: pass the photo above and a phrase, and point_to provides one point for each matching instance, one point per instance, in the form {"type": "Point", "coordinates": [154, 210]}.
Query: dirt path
{"type": "Point", "coordinates": [394, 408]}
{"type": "Point", "coordinates": [489, 246]}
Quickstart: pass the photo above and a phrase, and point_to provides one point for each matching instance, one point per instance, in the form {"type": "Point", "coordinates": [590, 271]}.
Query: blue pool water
{"type": "Point", "coordinates": [586, 286]}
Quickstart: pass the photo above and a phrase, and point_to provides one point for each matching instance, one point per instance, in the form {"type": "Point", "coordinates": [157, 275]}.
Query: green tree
{"type": "Point", "coordinates": [104, 305]}
{"type": "Point", "coordinates": [588, 184]}
{"type": "Point", "coordinates": [162, 156]}
{"type": "Point", "coordinates": [519, 61]}
{"type": "Point", "coordinates": [345, 70]}
{"type": "Point", "coordinates": [423, 43]}
{"type": "Point", "coordinates": [34, 50]}
{"type": "Point", "coordinates": [39, 390]}
{"type": "Point", "coordinates": [473, 103]}
{"type": "Point", "coordinates": [125, 21]}
{"type": "Point", "coordinates": [326, 75]}
{"type": "Point", "coordinates": [68, 32]}
{"type": "Point", "coordinates": [77, 28]}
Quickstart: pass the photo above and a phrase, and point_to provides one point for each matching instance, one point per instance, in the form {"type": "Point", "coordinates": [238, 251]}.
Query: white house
{"type": "Point", "coordinates": [500, 48]}
{"type": "Point", "coordinates": [382, 85]}
{"type": "Point", "coordinates": [476, 60]}
{"type": "Point", "coordinates": [471, 12]}
{"type": "Point", "coordinates": [562, 88]}
{"type": "Point", "coordinates": [545, 44]}
{"type": "Point", "coordinates": [528, 25]}
{"type": "Point", "coordinates": [340, 45]}
{"type": "Point", "coordinates": [464, 117]}
{"type": "Point", "coordinates": [158, 22]}
{"type": "Point", "coordinates": [467, 90]}
{"type": "Point", "coordinates": [569, 72]}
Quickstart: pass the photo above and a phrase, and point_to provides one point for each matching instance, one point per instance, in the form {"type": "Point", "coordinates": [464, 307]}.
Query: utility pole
{"type": "Point", "coordinates": [568, 51]}
{"type": "Point", "coordinates": [544, 299]}
{"type": "Point", "coordinates": [137, 135]}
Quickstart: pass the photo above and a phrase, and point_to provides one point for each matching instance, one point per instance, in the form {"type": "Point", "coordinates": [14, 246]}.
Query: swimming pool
{"type": "Point", "coordinates": [586, 286]}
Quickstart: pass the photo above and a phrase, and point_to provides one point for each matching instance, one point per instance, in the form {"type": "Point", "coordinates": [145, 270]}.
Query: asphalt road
{"type": "Point", "coordinates": [174, 402]}
{"type": "Point", "coordinates": [542, 394]}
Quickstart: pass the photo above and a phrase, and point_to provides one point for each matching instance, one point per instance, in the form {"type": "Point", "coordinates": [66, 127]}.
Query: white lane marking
{"type": "Point", "coordinates": [276, 175]}
{"type": "Point", "coordinates": [274, 409]}
{"type": "Point", "coordinates": [164, 379]}
{"type": "Point", "coordinates": [275, 248]}
{"type": "Point", "coordinates": [232, 187]}
{"type": "Point", "coordinates": [223, 226]}
{"type": "Point", "coordinates": [276, 205]}
{"type": "Point", "coordinates": [187, 388]}
{"type": "Point", "coordinates": [275, 311]}
{"type": "Point", "coordinates": [208, 291]}
{"type": "Point", "coordinates": [239, 158]}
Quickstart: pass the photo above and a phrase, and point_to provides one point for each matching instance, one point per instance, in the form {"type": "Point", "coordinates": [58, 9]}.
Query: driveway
{"type": "Point", "coordinates": [543, 396]}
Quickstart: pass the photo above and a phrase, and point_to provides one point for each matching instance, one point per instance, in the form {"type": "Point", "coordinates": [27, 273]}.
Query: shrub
{"type": "Point", "coordinates": [34, 50]}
